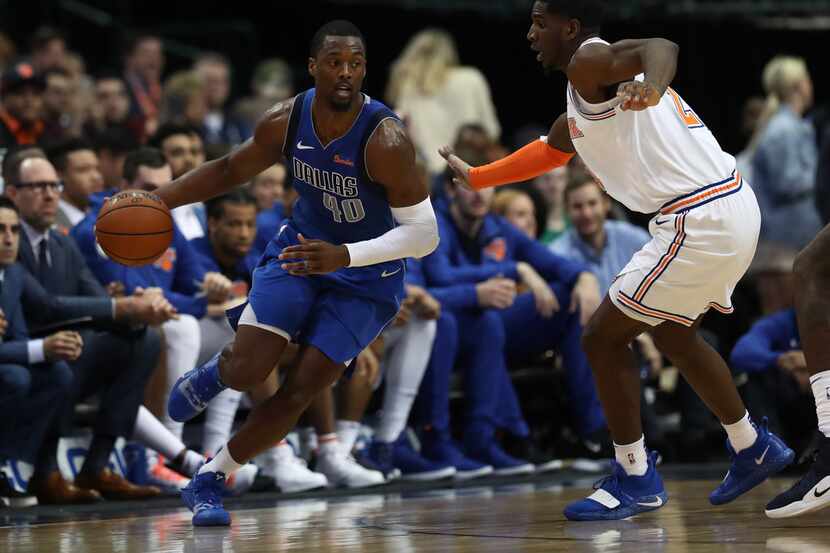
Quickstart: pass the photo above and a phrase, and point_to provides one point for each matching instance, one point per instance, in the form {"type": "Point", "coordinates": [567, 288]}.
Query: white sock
{"type": "Point", "coordinates": [330, 445]}
{"type": "Point", "coordinates": [223, 462]}
{"type": "Point", "coordinates": [191, 462]}
{"type": "Point", "coordinates": [820, 383]}
{"type": "Point", "coordinates": [741, 434]}
{"type": "Point", "coordinates": [405, 364]}
{"type": "Point", "coordinates": [347, 432]}
{"type": "Point", "coordinates": [151, 432]}
{"type": "Point", "coordinates": [219, 420]}
{"type": "Point", "coordinates": [633, 457]}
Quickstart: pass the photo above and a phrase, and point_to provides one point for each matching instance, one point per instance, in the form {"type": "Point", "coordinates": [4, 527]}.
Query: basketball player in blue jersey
{"type": "Point", "coordinates": [332, 278]}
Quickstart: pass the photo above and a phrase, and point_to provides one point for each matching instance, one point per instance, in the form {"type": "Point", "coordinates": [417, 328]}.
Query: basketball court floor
{"type": "Point", "coordinates": [506, 515]}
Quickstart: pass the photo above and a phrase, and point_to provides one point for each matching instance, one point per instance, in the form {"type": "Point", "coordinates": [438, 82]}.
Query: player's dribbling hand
{"type": "Point", "coordinates": [460, 167]}
{"type": "Point", "coordinates": [637, 96]}
{"type": "Point", "coordinates": [585, 297]}
{"type": "Point", "coordinates": [314, 257]}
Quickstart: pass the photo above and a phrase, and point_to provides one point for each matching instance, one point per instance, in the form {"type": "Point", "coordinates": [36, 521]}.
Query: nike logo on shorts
{"type": "Point", "coordinates": [300, 146]}
{"type": "Point", "coordinates": [659, 222]}
{"type": "Point", "coordinates": [760, 459]}
{"type": "Point", "coordinates": [656, 503]}
{"type": "Point", "coordinates": [386, 274]}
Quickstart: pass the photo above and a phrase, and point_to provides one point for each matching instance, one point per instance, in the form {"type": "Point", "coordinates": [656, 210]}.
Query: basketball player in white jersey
{"type": "Point", "coordinates": [653, 153]}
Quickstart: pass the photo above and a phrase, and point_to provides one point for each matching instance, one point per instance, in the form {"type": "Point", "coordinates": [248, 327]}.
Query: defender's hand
{"type": "Point", "coordinates": [314, 257]}
{"type": "Point", "coordinates": [460, 167]}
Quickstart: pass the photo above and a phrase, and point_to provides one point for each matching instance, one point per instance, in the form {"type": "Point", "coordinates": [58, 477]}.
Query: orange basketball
{"type": "Point", "coordinates": [134, 228]}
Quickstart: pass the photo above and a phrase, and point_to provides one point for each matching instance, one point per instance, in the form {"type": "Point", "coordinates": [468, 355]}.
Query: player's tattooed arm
{"type": "Point", "coordinates": [597, 67]}
{"type": "Point", "coordinates": [390, 161]}
{"type": "Point", "coordinates": [219, 176]}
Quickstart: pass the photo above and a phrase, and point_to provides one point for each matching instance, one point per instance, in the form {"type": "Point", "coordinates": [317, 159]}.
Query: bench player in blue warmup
{"type": "Point", "coordinates": [332, 277]}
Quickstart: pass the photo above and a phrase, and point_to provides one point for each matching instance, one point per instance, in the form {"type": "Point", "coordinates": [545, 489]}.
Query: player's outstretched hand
{"type": "Point", "coordinates": [637, 96]}
{"type": "Point", "coordinates": [460, 167]}
{"type": "Point", "coordinates": [314, 257]}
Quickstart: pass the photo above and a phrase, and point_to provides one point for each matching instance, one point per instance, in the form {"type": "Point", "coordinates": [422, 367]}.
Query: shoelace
{"type": "Point", "coordinates": [613, 478]}
{"type": "Point", "coordinates": [210, 498]}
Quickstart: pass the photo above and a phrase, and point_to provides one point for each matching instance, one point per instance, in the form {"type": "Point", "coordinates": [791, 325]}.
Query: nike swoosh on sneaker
{"type": "Point", "coordinates": [658, 502]}
{"type": "Point", "coordinates": [385, 274]}
{"type": "Point", "coordinates": [300, 146]}
{"type": "Point", "coordinates": [819, 494]}
{"type": "Point", "coordinates": [760, 459]}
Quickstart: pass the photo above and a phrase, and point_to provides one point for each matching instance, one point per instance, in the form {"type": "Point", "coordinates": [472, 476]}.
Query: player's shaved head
{"type": "Point", "coordinates": [338, 27]}
{"type": "Point", "coordinates": [589, 12]}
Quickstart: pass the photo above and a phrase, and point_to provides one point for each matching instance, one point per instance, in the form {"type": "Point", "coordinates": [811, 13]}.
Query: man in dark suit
{"type": "Point", "coordinates": [116, 362]}
{"type": "Point", "coordinates": [35, 382]}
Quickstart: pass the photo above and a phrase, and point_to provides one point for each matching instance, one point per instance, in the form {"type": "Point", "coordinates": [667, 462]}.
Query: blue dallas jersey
{"type": "Point", "coordinates": [338, 201]}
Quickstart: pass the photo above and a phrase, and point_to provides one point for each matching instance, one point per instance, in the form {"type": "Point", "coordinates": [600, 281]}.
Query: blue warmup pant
{"type": "Point", "coordinates": [476, 338]}
{"type": "Point", "coordinates": [432, 404]}
{"type": "Point", "coordinates": [528, 333]}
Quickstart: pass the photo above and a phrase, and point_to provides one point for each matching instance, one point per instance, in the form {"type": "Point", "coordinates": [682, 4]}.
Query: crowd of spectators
{"type": "Point", "coordinates": [500, 303]}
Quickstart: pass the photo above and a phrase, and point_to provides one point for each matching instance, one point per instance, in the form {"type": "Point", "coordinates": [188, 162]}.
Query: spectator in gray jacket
{"type": "Point", "coordinates": [786, 156]}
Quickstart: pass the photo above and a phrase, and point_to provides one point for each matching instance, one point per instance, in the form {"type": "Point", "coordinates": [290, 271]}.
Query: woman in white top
{"type": "Point", "coordinates": [435, 95]}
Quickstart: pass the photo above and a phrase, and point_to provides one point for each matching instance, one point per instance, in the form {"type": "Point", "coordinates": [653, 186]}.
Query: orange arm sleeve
{"type": "Point", "coordinates": [524, 164]}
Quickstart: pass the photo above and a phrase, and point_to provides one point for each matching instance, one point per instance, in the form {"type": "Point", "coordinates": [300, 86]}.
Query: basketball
{"type": "Point", "coordinates": [134, 228]}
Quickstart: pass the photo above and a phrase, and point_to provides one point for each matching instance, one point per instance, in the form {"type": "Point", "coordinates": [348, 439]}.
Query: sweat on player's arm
{"type": "Point", "coordinates": [526, 163]}
{"type": "Point", "coordinates": [217, 177]}
{"type": "Point", "coordinates": [390, 161]}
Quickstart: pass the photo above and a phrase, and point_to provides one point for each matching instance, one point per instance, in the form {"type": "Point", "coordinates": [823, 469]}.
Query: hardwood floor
{"type": "Point", "coordinates": [522, 518]}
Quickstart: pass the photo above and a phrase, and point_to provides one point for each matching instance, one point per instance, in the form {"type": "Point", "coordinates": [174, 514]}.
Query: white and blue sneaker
{"type": "Point", "coordinates": [753, 465]}
{"type": "Point", "coordinates": [194, 389]}
{"type": "Point", "coordinates": [203, 496]}
{"type": "Point", "coordinates": [808, 494]}
{"type": "Point", "coordinates": [621, 496]}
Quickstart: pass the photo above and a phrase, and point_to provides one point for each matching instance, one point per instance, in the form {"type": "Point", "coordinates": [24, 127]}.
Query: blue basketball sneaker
{"type": "Point", "coordinates": [753, 465]}
{"type": "Point", "coordinates": [203, 496]}
{"type": "Point", "coordinates": [414, 466]}
{"type": "Point", "coordinates": [621, 496]}
{"type": "Point", "coordinates": [194, 389]}
{"type": "Point", "coordinates": [438, 447]}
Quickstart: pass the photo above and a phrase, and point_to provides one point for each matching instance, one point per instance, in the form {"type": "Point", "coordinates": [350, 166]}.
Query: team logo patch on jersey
{"type": "Point", "coordinates": [343, 161]}
{"type": "Point", "coordinates": [496, 250]}
{"type": "Point", "coordinates": [167, 261]}
{"type": "Point", "coordinates": [573, 129]}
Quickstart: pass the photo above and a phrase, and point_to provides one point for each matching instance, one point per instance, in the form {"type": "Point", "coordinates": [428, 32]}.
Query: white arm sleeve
{"type": "Point", "coordinates": [415, 236]}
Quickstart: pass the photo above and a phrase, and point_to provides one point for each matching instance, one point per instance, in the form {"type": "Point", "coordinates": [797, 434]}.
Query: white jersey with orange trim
{"type": "Point", "coordinates": [704, 236]}
{"type": "Point", "coordinates": [647, 159]}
